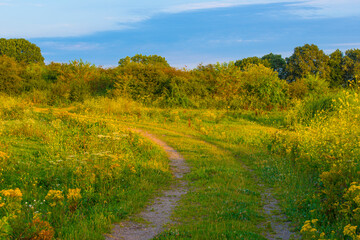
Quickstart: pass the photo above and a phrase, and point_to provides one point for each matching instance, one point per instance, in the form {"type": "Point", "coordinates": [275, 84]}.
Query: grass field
{"type": "Point", "coordinates": [68, 173]}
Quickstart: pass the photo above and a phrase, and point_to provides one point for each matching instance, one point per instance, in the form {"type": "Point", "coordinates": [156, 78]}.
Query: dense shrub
{"type": "Point", "coordinates": [10, 72]}
{"type": "Point", "coordinates": [255, 87]}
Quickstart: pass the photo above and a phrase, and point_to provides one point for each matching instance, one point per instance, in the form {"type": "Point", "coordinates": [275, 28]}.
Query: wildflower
{"type": "Point", "coordinates": [350, 230]}
{"type": "Point", "coordinates": [314, 221]}
{"type": "Point", "coordinates": [132, 168]}
{"type": "Point", "coordinates": [74, 194]}
{"type": "Point", "coordinates": [16, 194]}
{"type": "Point", "coordinates": [42, 230]}
{"type": "Point", "coordinates": [74, 197]}
{"type": "Point", "coordinates": [1, 204]}
{"type": "Point", "coordinates": [3, 155]}
{"type": "Point", "coordinates": [307, 229]}
{"type": "Point", "coordinates": [55, 197]}
{"type": "Point", "coordinates": [115, 165]}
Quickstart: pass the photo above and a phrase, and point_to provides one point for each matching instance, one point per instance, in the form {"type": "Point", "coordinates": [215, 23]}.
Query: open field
{"type": "Point", "coordinates": [272, 146]}
{"type": "Point", "coordinates": [69, 173]}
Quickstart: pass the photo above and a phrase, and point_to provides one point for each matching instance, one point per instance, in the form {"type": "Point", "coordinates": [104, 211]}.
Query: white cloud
{"type": "Point", "coordinates": [65, 18]}
{"type": "Point", "coordinates": [219, 4]}
{"type": "Point", "coordinates": [326, 8]}
{"type": "Point", "coordinates": [345, 44]}
{"type": "Point", "coordinates": [233, 41]}
{"type": "Point", "coordinates": [78, 46]}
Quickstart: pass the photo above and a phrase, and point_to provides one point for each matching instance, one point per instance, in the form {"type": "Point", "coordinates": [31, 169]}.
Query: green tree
{"type": "Point", "coordinates": [10, 71]}
{"type": "Point", "coordinates": [308, 59]}
{"type": "Point", "coordinates": [144, 59]}
{"type": "Point", "coordinates": [337, 71]}
{"type": "Point", "coordinates": [263, 88]}
{"type": "Point", "coordinates": [243, 63]}
{"type": "Point", "coordinates": [141, 82]}
{"type": "Point", "coordinates": [21, 50]}
{"type": "Point", "coordinates": [72, 81]}
{"type": "Point", "coordinates": [228, 82]}
{"type": "Point", "coordinates": [352, 66]}
{"type": "Point", "coordinates": [277, 63]}
{"type": "Point", "coordinates": [256, 86]}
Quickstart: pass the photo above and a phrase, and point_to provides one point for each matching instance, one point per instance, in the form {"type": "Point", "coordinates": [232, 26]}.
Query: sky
{"type": "Point", "coordinates": [186, 33]}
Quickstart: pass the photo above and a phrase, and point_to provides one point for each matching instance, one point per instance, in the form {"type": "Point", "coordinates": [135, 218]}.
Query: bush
{"type": "Point", "coordinates": [311, 85]}
{"type": "Point", "coordinates": [10, 80]}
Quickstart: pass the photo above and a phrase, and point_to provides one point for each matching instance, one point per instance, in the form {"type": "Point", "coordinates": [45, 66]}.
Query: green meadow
{"type": "Point", "coordinates": [71, 164]}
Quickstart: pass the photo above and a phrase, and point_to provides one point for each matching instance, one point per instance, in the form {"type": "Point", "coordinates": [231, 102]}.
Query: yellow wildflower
{"type": "Point", "coordinates": [73, 197]}
{"type": "Point", "coordinates": [3, 155]}
{"type": "Point", "coordinates": [55, 197]}
{"type": "Point", "coordinates": [314, 221]}
{"type": "Point", "coordinates": [74, 194]}
{"type": "Point", "coordinates": [16, 194]}
{"type": "Point", "coordinates": [350, 230]}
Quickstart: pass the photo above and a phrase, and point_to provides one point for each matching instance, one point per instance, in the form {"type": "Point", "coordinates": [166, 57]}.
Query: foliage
{"type": "Point", "coordinates": [243, 63]}
{"type": "Point", "coordinates": [228, 83]}
{"type": "Point", "coordinates": [140, 82]}
{"type": "Point", "coordinates": [73, 81]}
{"type": "Point", "coordinates": [10, 75]}
{"type": "Point", "coordinates": [352, 66]}
{"type": "Point", "coordinates": [310, 85]}
{"type": "Point", "coordinates": [324, 148]}
{"type": "Point", "coordinates": [254, 87]}
{"type": "Point", "coordinates": [146, 60]}
{"type": "Point", "coordinates": [264, 85]}
{"type": "Point", "coordinates": [308, 59]}
{"type": "Point", "coordinates": [21, 50]}
{"type": "Point", "coordinates": [337, 71]}
{"type": "Point", "coordinates": [277, 63]}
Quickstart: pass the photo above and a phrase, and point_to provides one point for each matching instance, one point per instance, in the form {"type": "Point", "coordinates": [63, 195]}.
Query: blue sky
{"type": "Point", "coordinates": [185, 32]}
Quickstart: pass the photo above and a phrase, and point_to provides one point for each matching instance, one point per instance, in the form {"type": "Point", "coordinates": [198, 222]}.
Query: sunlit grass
{"type": "Point", "coordinates": [75, 176]}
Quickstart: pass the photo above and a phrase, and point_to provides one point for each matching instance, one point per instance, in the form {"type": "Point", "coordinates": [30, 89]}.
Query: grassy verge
{"type": "Point", "coordinates": [69, 178]}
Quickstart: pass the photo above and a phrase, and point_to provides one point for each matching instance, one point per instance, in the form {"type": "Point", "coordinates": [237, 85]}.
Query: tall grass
{"type": "Point", "coordinates": [69, 178]}
{"type": "Point", "coordinates": [323, 150]}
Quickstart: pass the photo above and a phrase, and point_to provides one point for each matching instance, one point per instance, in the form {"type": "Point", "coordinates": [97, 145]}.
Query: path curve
{"type": "Point", "coordinates": [158, 213]}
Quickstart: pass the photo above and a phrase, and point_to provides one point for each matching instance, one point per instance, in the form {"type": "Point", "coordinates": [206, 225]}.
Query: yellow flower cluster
{"type": "Point", "coordinates": [307, 230]}
{"type": "Point", "coordinates": [350, 230]}
{"type": "Point", "coordinates": [55, 197]}
{"type": "Point", "coordinates": [74, 195]}
{"type": "Point", "coordinates": [3, 155]}
{"type": "Point", "coordinates": [15, 194]}
{"type": "Point", "coordinates": [307, 227]}
{"type": "Point", "coordinates": [354, 191]}
{"type": "Point", "coordinates": [1, 204]}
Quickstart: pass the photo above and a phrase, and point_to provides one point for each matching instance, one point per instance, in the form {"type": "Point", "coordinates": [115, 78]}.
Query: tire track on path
{"type": "Point", "coordinates": [157, 214]}
{"type": "Point", "coordinates": [275, 218]}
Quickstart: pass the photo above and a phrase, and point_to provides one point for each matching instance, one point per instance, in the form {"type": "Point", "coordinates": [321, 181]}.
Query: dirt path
{"type": "Point", "coordinates": [280, 226]}
{"type": "Point", "coordinates": [277, 226]}
{"type": "Point", "coordinates": [157, 214]}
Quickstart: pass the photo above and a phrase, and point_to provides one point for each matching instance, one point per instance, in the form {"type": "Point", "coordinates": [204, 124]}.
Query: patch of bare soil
{"type": "Point", "coordinates": [157, 214]}
{"type": "Point", "coordinates": [277, 224]}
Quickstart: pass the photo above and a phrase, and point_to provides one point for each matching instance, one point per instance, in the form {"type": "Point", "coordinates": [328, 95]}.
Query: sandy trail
{"type": "Point", "coordinates": [157, 213]}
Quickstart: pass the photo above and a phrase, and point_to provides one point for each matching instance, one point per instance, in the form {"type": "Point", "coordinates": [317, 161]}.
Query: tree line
{"type": "Point", "coordinates": [250, 83]}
